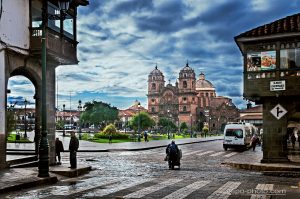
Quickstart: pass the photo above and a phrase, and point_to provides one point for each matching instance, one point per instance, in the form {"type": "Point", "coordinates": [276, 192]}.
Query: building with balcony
{"type": "Point", "coordinates": [271, 55]}
{"type": "Point", "coordinates": [21, 49]}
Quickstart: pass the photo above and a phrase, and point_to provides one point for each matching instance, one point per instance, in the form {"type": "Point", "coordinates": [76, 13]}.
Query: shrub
{"type": "Point", "coordinates": [110, 129]}
{"type": "Point", "coordinates": [102, 135]}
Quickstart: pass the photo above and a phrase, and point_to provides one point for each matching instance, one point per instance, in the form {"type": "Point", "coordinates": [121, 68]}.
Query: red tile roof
{"type": "Point", "coordinates": [288, 24]}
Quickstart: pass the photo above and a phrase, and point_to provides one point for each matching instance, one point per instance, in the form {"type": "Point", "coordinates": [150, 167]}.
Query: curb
{"type": "Point", "coordinates": [262, 168]}
{"type": "Point", "coordinates": [72, 172]}
{"type": "Point", "coordinates": [124, 149]}
{"type": "Point", "coordinates": [27, 183]}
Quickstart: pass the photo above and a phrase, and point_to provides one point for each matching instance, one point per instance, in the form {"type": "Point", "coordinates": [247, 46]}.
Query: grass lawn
{"type": "Point", "coordinates": [11, 138]}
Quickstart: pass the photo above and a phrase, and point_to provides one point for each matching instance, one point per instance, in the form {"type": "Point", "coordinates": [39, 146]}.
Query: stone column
{"type": "Point", "coordinates": [2, 111]}
{"type": "Point", "coordinates": [51, 112]}
{"type": "Point", "coordinates": [274, 132]}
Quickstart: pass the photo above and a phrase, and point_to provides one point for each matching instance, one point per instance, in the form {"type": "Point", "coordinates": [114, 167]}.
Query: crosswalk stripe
{"type": "Point", "coordinates": [82, 186]}
{"type": "Point", "coordinates": [261, 188]}
{"type": "Point", "coordinates": [192, 152]}
{"type": "Point", "coordinates": [143, 192]}
{"type": "Point", "coordinates": [203, 153]}
{"type": "Point", "coordinates": [185, 191]}
{"type": "Point", "coordinates": [225, 190]}
{"type": "Point", "coordinates": [115, 188]}
{"type": "Point", "coordinates": [230, 154]}
{"type": "Point", "coordinates": [216, 154]}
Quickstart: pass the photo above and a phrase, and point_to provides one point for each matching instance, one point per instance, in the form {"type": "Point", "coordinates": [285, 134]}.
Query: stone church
{"type": "Point", "coordinates": [190, 100]}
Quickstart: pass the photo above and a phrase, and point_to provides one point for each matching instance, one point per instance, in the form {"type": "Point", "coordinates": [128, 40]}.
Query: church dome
{"type": "Point", "coordinates": [156, 72]}
{"type": "Point", "coordinates": [203, 84]}
{"type": "Point", "coordinates": [187, 71]}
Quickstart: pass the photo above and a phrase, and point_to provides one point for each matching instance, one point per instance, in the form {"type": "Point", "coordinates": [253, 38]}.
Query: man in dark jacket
{"type": "Point", "coordinates": [59, 147]}
{"type": "Point", "coordinates": [172, 152]}
{"type": "Point", "coordinates": [73, 147]}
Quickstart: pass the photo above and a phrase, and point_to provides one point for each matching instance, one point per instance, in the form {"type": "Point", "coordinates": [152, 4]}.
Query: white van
{"type": "Point", "coordinates": [238, 135]}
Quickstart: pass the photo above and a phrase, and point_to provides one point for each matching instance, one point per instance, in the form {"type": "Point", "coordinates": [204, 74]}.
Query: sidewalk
{"type": "Point", "coordinates": [250, 160]}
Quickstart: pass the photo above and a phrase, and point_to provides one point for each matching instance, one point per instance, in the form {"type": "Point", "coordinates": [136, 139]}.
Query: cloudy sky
{"type": "Point", "coordinates": [121, 41]}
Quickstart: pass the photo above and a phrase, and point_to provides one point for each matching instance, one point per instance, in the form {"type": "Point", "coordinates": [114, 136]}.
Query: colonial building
{"type": "Point", "coordinates": [190, 100]}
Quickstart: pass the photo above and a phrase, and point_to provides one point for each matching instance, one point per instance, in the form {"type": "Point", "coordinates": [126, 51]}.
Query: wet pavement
{"type": "Point", "coordinates": [144, 174]}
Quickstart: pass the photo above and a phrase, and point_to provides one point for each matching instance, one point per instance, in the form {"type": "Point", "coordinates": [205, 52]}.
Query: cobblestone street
{"type": "Point", "coordinates": [144, 174]}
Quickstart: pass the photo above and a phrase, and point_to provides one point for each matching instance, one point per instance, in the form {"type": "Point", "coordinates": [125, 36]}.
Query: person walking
{"type": "Point", "coordinates": [59, 147]}
{"type": "Point", "coordinates": [146, 136]}
{"type": "Point", "coordinates": [254, 141]}
{"type": "Point", "coordinates": [293, 140]}
{"type": "Point", "coordinates": [73, 147]}
{"type": "Point", "coordinates": [110, 139]}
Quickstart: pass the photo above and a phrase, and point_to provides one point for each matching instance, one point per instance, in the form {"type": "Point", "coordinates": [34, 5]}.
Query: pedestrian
{"type": "Point", "coordinates": [146, 136]}
{"type": "Point", "coordinates": [172, 152]}
{"type": "Point", "coordinates": [59, 147]}
{"type": "Point", "coordinates": [254, 141]}
{"type": "Point", "coordinates": [73, 147]}
{"type": "Point", "coordinates": [110, 139]}
{"type": "Point", "coordinates": [293, 140]}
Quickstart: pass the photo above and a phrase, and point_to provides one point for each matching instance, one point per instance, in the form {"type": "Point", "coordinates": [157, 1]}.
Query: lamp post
{"type": "Point", "coordinates": [168, 111]}
{"type": "Point", "coordinates": [79, 123]}
{"type": "Point", "coordinates": [25, 121]}
{"type": "Point", "coordinates": [43, 164]}
{"type": "Point", "coordinates": [125, 122]}
{"type": "Point", "coordinates": [191, 125]}
{"type": "Point", "coordinates": [64, 108]}
{"type": "Point", "coordinates": [139, 118]}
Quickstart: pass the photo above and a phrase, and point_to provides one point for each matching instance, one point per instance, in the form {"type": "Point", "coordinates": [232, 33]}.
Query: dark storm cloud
{"type": "Point", "coordinates": [130, 6]}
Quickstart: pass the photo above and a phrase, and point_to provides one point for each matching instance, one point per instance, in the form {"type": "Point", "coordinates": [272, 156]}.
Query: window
{"type": "Point", "coordinates": [153, 86]}
{"type": "Point", "coordinates": [184, 108]}
{"type": "Point", "coordinates": [152, 109]}
{"type": "Point", "coordinates": [184, 98]}
{"type": "Point", "coordinates": [184, 84]}
{"type": "Point", "coordinates": [290, 58]}
{"type": "Point", "coordinates": [152, 100]}
{"type": "Point", "coordinates": [69, 27]}
{"type": "Point", "coordinates": [234, 133]}
{"type": "Point", "coordinates": [258, 61]}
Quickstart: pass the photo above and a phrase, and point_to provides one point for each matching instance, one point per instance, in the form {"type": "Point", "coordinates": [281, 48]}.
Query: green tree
{"type": "Point", "coordinates": [98, 113]}
{"type": "Point", "coordinates": [143, 119]}
{"type": "Point", "coordinates": [166, 123]}
{"type": "Point", "coordinates": [110, 129]}
{"type": "Point", "coordinates": [60, 124]}
{"type": "Point", "coordinates": [183, 127]}
{"type": "Point", "coordinates": [11, 122]}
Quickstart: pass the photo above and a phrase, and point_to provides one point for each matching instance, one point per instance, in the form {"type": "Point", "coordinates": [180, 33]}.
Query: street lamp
{"type": "Point", "coordinates": [125, 122]}
{"type": "Point", "coordinates": [168, 124]}
{"type": "Point", "coordinates": [64, 108]}
{"type": "Point", "coordinates": [43, 164]}
{"type": "Point", "coordinates": [191, 125]}
{"type": "Point", "coordinates": [139, 117]}
{"type": "Point", "coordinates": [25, 121]}
{"type": "Point", "coordinates": [79, 123]}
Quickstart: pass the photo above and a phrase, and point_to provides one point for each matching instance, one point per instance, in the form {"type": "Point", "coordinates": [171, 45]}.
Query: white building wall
{"type": "Point", "coordinates": [2, 93]}
{"type": "Point", "coordinates": [14, 25]}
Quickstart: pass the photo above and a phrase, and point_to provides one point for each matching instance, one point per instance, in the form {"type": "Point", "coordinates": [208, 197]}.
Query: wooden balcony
{"type": "Point", "coordinates": [258, 84]}
{"type": "Point", "coordinates": [60, 49]}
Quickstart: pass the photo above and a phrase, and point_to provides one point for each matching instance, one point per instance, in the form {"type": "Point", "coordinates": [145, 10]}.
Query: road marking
{"type": "Point", "coordinates": [185, 191]}
{"type": "Point", "coordinates": [192, 152]}
{"type": "Point", "coordinates": [225, 190]}
{"type": "Point", "coordinates": [125, 184]}
{"type": "Point", "coordinates": [143, 192]}
{"type": "Point", "coordinates": [205, 152]}
{"type": "Point", "coordinates": [230, 154]}
{"type": "Point", "coordinates": [262, 188]}
{"type": "Point", "coordinates": [216, 154]}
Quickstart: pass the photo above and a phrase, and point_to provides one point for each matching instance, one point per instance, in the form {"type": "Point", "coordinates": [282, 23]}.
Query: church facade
{"type": "Point", "coordinates": [190, 100]}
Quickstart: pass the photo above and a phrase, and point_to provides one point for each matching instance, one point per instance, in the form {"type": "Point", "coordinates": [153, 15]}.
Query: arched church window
{"type": "Point", "coordinates": [153, 86]}
{"type": "Point", "coordinates": [184, 98]}
{"type": "Point", "coordinates": [184, 108]}
{"type": "Point", "coordinates": [152, 109]}
{"type": "Point", "coordinates": [152, 100]}
{"type": "Point", "coordinates": [184, 84]}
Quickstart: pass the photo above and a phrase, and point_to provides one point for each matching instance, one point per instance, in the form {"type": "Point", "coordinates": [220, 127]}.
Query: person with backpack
{"type": "Point", "coordinates": [172, 152]}
{"type": "Point", "coordinates": [254, 141]}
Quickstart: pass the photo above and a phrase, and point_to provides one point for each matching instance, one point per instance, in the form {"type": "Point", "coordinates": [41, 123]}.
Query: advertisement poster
{"type": "Point", "coordinates": [268, 60]}
{"type": "Point", "coordinates": [261, 61]}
